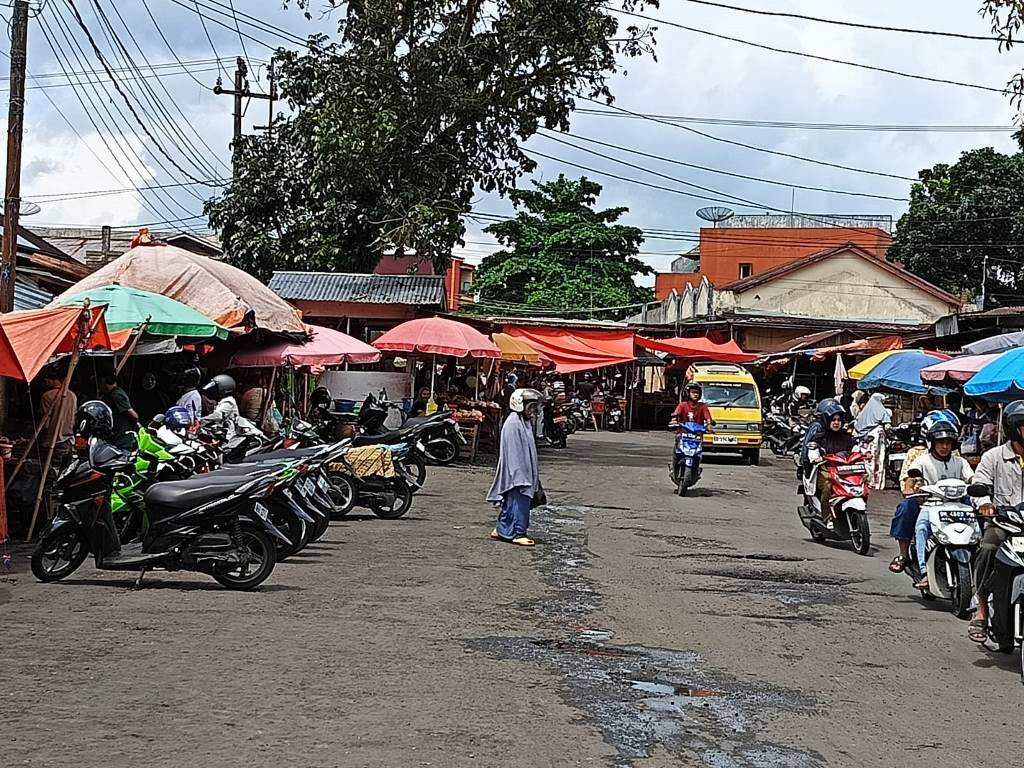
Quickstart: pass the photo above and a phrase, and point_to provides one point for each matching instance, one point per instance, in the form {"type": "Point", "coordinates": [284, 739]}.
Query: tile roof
{"type": "Point", "coordinates": [426, 290]}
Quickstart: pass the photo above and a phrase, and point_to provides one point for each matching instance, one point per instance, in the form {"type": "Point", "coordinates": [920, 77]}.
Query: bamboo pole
{"type": "Point", "coordinates": [131, 347]}
{"type": "Point", "coordinates": [265, 405]}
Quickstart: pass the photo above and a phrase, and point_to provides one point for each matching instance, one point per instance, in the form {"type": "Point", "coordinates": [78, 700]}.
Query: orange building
{"type": "Point", "coordinates": [729, 254]}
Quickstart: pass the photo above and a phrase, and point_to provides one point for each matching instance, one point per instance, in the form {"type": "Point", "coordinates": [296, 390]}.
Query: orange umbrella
{"type": "Point", "coordinates": [29, 339]}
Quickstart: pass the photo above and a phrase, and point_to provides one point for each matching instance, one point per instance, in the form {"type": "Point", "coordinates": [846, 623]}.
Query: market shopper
{"type": "Point", "coordinates": [58, 414]}
{"type": "Point", "coordinates": [126, 420]}
{"type": "Point", "coordinates": [190, 399]}
{"type": "Point", "coordinates": [516, 483]}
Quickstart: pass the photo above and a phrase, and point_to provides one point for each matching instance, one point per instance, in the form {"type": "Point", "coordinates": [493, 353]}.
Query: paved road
{"type": "Point", "coordinates": [645, 630]}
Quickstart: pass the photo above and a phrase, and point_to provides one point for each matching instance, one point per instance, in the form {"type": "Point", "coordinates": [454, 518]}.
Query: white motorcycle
{"type": "Point", "coordinates": [955, 536]}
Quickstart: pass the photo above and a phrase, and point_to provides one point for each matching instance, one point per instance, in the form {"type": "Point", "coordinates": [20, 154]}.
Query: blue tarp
{"type": "Point", "coordinates": [902, 373]}
{"type": "Point", "coordinates": [1001, 380]}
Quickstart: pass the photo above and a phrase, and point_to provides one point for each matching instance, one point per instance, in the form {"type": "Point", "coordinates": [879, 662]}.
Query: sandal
{"type": "Point", "coordinates": [523, 541]}
{"type": "Point", "coordinates": [898, 564]}
{"type": "Point", "coordinates": [922, 584]}
{"type": "Point", "coordinates": [496, 536]}
{"type": "Point", "coordinates": [977, 631]}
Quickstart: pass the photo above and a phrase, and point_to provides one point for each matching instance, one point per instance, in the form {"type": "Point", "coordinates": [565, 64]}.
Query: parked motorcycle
{"type": "Point", "coordinates": [849, 476]}
{"type": "Point", "coordinates": [686, 459]}
{"type": "Point", "coordinates": [615, 420]}
{"type": "Point", "coordinates": [213, 525]}
{"type": "Point", "coordinates": [955, 537]}
{"type": "Point", "coordinates": [439, 433]}
{"type": "Point", "coordinates": [556, 419]}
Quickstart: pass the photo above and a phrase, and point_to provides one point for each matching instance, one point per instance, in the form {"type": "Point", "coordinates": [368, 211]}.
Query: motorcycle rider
{"type": "Point", "coordinates": [829, 433]}
{"type": "Point", "coordinates": [1001, 468]}
{"type": "Point", "coordinates": [798, 401]}
{"type": "Point", "coordinates": [222, 389]}
{"type": "Point", "coordinates": [939, 463]}
{"type": "Point", "coordinates": [693, 408]}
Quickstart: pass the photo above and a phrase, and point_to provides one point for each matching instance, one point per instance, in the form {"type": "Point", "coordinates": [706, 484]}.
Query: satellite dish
{"type": "Point", "coordinates": [28, 208]}
{"type": "Point", "coordinates": [715, 214]}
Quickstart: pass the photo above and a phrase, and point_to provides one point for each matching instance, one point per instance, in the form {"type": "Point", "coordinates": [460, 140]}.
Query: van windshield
{"type": "Point", "coordinates": [737, 395]}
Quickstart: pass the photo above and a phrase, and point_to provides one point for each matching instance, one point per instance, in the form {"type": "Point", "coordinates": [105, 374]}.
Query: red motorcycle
{"type": "Point", "coordinates": [849, 475]}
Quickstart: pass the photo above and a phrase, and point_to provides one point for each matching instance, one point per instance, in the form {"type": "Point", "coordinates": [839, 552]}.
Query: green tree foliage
{"type": "Point", "coordinates": [960, 214]}
{"type": "Point", "coordinates": [397, 124]}
{"type": "Point", "coordinates": [561, 254]}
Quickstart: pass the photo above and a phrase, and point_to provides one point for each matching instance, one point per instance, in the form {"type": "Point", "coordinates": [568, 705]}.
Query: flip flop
{"type": "Point", "coordinates": [898, 564]}
{"type": "Point", "coordinates": [922, 584]}
{"type": "Point", "coordinates": [494, 535]}
{"type": "Point", "coordinates": [523, 541]}
{"type": "Point", "coordinates": [977, 631]}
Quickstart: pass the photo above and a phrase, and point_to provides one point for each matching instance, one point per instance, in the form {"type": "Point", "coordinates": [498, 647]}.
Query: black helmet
{"type": "Point", "coordinates": [94, 419]}
{"type": "Point", "coordinates": [1013, 420]}
{"type": "Point", "coordinates": [941, 430]}
{"type": "Point", "coordinates": [830, 407]}
{"type": "Point", "coordinates": [220, 385]}
{"type": "Point", "coordinates": [190, 377]}
{"type": "Point", "coordinates": [693, 385]}
{"type": "Point", "coordinates": [321, 398]}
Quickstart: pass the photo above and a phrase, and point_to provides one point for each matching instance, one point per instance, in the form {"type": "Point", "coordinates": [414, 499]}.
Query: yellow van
{"type": "Point", "coordinates": [731, 394]}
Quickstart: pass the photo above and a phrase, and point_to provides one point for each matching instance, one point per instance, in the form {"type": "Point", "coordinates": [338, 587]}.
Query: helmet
{"type": "Point", "coordinates": [934, 417]}
{"type": "Point", "coordinates": [190, 377]}
{"type": "Point", "coordinates": [830, 407]}
{"type": "Point", "coordinates": [941, 430]}
{"type": "Point", "coordinates": [94, 419]}
{"type": "Point", "coordinates": [521, 398]}
{"type": "Point", "coordinates": [321, 397]}
{"type": "Point", "coordinates": [801, 393]}
{"type": "Point", "coordinates": [177, 417]}
{"type": "Point", "coordinates": [220, 385]}
{"type": "Point", "coordinates": [1013, 420]}
{"type": "Point", "coordinates": [512, 378]}
{"type": "Point", "coordinates": [693, 385]}
{"type": "Point", "coordinates": [588, 376]}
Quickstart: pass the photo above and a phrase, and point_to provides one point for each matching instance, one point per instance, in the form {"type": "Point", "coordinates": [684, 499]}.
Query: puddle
{"type": "Point", "coordinates": [641, 698]}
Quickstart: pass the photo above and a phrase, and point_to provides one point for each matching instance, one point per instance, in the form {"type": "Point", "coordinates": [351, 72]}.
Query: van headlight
{"type": "Point", "coordinates": [753, 427]}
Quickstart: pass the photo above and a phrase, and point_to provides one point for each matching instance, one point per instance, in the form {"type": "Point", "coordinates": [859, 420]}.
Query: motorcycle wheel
{"type": "Point", "coordinates": [319, 528]}
{"type": "Point", "coordinates": [860, 533]}
{"type": "Point", "coordinates": [401, 504]}
{"type": "Point", "coordinates": [963, 592]}
{"type": "Point", "coordinates": [291, 526]}
{"type": "Point", "coordinates": [342, 493]}
{"type": "Point", "coordinates": [263, 554]}
{"type": "Point", "coordinates": [58, 554]}
{"type": "Point", "coordinates": [442, 451]}
{"type": "Point", "coordinates": [685, 481]}
{"type": "Point", "coordinates": [414, 466]}
{"type": "Point", "coordinates": [570, 426]}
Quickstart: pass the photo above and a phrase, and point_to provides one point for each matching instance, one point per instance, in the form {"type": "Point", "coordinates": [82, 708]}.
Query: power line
{"type": "Point", "coordinates": [129, 78]}
{"type": "Point", "coordinates": [208, 38]}
{"type": "Point", "coordinates": [61, 196]}
{"type": "Point", "coordinates": [805, 126]}
{"type": "Point", "coordinates": [545, 133]}
{"type": "Point", "coordinates": [160, 31]}
{"type": "Point", "coordinates": [854, 24]}
{"type": "Point", "coordinates": [753, 147]}
{"type": "Point", "coordinates": [241, 41]}
{"type": "Point", "coordinates": [773, 49]}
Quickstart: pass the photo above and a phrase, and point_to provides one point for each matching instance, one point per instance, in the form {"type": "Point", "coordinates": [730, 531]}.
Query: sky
{"type": "Point", "coordinates": [74, 147]}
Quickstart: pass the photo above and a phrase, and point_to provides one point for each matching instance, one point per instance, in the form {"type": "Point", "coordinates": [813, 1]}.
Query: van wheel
{"type": "Point", "coordinates": [753, 456]}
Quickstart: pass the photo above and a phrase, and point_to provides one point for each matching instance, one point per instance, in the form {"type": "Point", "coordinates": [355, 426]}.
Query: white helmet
{"type": "Point", "coordinates": [802, 393]}
{"type": "Point", "coordinates": [519, 399]}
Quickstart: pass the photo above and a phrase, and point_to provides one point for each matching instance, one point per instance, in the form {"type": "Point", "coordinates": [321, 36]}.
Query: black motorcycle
{"type": "Point", "coordinates": [217, 525]}
{"type": "Point", "coordinates": [439, 433]}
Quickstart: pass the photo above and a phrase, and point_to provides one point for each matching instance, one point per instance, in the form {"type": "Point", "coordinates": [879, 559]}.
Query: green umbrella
{"type": "Point", "coordinates": [131, 308]}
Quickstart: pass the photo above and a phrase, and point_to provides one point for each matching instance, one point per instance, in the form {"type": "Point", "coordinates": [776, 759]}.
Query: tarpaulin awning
{"type": "Point", "coordinates": [996, 344]}
{"type": "Point", "coordinates": [437, 336]}
{"type": "Point", "coordinates": [225, 294]}
{"type": "Point", "coordinates": [956, 371]}
{"type": "Point", "coordinates": [698, 348]}
{"type": "Point", "coordinates": [574, 349]}
{"type": "Point", "coordinates": [326, 347]}
{"type": "Point", "coordinates": [515, 350]}
{"type": "Point", "coordinates": [30, 338]}
{"type": "Point", "coordinates": [874, 344]}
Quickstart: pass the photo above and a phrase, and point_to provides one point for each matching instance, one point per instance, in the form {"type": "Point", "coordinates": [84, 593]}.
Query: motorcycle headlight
{"type": "Point", "coordinates": [941, 537]}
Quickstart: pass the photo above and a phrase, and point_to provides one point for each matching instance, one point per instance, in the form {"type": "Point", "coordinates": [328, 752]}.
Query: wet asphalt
{"type": "Point", "coordinates": [643, 630]}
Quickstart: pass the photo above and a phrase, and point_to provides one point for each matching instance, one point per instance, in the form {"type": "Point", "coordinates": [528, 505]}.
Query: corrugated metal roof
{"type": "Point", "coordinates": [427, 290]}
{"type": "Point", "coordinates": [28, 295]}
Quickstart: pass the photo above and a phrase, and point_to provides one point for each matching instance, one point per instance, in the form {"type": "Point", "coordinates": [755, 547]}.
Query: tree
{"type": "Point", "coordinates": [962, 217]}
{"type": "Point", "coordinates": [396, 125]}
{"type": "Point", "coordinates": [561, 254]}
{"type": "Point", "coordinates": [1007, 19]}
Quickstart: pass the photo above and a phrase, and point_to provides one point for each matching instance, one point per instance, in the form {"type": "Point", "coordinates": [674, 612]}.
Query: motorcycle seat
{"type": "Point", "coordinates": [384, 438]}
{"type": "Point", "coordinates": [282, 454]}
{"type": "Point", "coordinates": [173, 496]}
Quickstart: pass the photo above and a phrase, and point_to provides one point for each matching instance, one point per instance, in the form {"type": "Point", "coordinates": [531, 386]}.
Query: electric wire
{"type": "Point", "coordinates": [167, 44]}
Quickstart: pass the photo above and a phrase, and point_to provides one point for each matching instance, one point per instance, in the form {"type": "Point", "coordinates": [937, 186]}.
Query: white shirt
{"type": "Point", "coordinates": [933, 469]}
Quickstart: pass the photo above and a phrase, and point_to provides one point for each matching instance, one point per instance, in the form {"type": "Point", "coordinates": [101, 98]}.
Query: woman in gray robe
{"type": "Point", "coordinates": [516, 483]}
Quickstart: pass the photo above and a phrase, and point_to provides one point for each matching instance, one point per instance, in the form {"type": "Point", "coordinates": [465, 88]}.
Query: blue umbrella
{"type": "Point", "coordinates": [902, 373]}
{"type": "Point", "coordinates": [1001, 380]}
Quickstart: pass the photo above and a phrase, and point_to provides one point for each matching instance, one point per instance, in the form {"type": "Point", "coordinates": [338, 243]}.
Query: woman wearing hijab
{"type": "Point", "coordinates": [873, 414]}
{"type": "Point", "coordinates": [516, 483]}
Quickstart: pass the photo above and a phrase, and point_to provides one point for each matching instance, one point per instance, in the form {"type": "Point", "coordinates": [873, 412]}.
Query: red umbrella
{"type": "Point", "coordinates": [326, 347]}
{"type": "Point", "coordinates": [437, 336]}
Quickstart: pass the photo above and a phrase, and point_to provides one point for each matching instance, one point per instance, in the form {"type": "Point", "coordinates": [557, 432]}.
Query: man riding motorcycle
{"type": "Point", "coordinates": [798, 401]}
{"type": "Point", "coordinates": [828, 432]}
{"type": "Point", "coordinates": [1001, 468]}
{"type": "Point", "coordinates": [942, 437]}
{"type": "Point", "coordinates": [693, 408]}
{"type": "Point", "coordinates": [222, 389]}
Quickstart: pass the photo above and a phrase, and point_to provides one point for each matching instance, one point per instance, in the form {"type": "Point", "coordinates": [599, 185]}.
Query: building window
{"type": "Point", "coordinates": [746, 270]}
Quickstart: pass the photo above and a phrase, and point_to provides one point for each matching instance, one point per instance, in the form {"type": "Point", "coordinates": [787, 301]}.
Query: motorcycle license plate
{"type": "Point", "coordinates": [308, 486]}
{"type": "Point", "coordinates": [724, 440]}
{"type": "Point", "coordinates": [321, 481]}
{"type": "Point", "coordinates": [897, 456]}
{"type": "Point", "coordinates": [561, 419]}
{"type": "Point", "coordinates": [262, 511]}
{"type": "Point", "coordinates": [1017, 544]}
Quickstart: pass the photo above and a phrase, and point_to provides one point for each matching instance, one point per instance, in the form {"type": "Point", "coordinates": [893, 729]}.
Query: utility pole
{"type": "Point", "coordinates": [984, 280]}
{"type": "Point", "coordinates": [241, 91]}
{"type": "Point", "coordinates": [12, 186]}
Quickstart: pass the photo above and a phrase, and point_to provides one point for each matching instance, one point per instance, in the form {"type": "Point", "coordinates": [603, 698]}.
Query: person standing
{"type": "Point", "coordinates": [516, 483]}
{"type": "Point", "coordinates": [126, 420]}
{"type": "Point", "coordinates": [58, 414]}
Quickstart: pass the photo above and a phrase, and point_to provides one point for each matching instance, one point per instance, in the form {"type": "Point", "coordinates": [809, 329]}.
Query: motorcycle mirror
{"type": "Point", "coordinates": [977, 490]}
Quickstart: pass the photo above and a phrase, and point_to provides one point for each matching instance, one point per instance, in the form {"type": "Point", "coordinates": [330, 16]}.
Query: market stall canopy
{"type": "Point", "coordinates": [956, 371]}
{"type": "Point", "coordinates": [1001, 380]}
{"type": "Point", "coordinates": [437, 336]}
{"type": "Point", "coordinates": [326, 347]}
{"type": "Point", "coordinates": [131, 308]}
{"type": "Point", "coordinates": [698, 348]}
{"type": "Point", "coordinates": [515, 350]}
{"type": "Point", "coordinates": [864, 367]}
{"type": "Point", "coordinates": [874, 344]}
{"type": "Point", "coordinates": [995, 344]}
{"type": "Point", "coordinates": [901, 372]}
{"type": "Point", "coordinates": [228, 296]}
{"type": "Point", "coordinates": [573, 350]}
{"type": "Point", "coordinates": [29, 339]}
